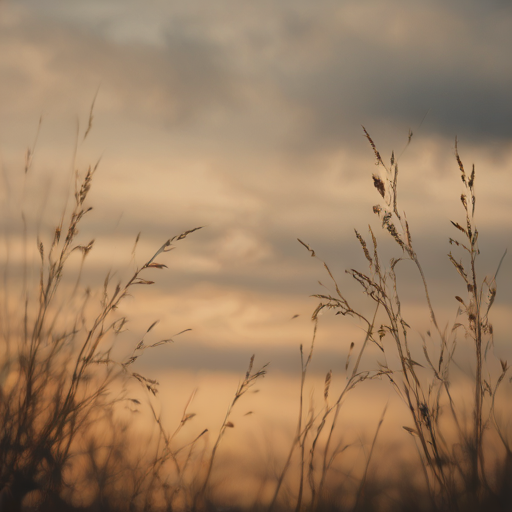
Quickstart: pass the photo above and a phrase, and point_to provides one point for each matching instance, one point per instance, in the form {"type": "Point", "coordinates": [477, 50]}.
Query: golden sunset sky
{"type": "Point", "coordinates": [245, 117]}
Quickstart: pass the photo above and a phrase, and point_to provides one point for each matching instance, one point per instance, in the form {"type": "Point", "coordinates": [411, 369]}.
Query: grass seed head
{"type": "Point", "coordinates": [379, 185]}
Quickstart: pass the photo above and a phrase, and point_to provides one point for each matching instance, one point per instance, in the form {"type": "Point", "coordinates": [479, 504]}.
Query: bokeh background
{"type": "Point", "coordinates": [245, 118]}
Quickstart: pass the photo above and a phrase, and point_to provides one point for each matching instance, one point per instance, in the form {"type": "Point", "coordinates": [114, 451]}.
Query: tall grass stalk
{"type": "Point", "coordinates": [244, 386]}
{"type": "Point", "coordinates": [300, 435]}
{"type": "Point", "coordinates": [317, 422]}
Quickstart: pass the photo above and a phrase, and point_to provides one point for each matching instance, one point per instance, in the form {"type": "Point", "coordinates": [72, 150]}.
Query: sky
{"type": "Point", "coordinates": [246, 118]}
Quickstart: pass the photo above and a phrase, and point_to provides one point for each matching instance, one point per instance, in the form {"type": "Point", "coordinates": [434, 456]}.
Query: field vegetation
{"type": "Point", "coordinates": [63, 445]}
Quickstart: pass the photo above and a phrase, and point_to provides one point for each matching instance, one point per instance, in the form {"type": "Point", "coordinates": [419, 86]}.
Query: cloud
{"type": "Point", "coordinates": [323, 69]}
{"type": "Point", "coordinates": [245, 117]}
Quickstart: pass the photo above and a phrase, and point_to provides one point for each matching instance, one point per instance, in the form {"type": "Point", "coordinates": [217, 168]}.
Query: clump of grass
{"type": "Point", "coordinates": [62, 445]}
{"type": "Point", "coordinates": [60, 375]}
{"type": "Point", "coordinates": [456, 473]}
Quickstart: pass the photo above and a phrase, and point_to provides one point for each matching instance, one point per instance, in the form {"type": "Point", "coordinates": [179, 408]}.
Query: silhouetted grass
{"type": "Point", "coordinates": [457, 475]}
{"type": "Point", "coordinates": [62, 446]}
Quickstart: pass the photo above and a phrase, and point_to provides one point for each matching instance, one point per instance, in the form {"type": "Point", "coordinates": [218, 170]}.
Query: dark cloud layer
{"type": "Point", "coordinates": [245, 117]}
{"type": "Point", "coordinates": [329, 66]}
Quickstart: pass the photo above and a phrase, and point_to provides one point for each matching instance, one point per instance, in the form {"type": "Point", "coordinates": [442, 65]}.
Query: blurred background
{"type": "Point", "coordinates": [245, 118]}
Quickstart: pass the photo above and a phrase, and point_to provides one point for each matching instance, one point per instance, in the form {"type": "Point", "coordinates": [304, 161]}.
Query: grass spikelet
{"type": "Point", "coordinates": [137, 238]}
{"type": "Point", "coordinates": [327, 384]}
{"type": "Point", "coordinates": [91, 115]}
{"type": "Point", "coordinates": [379, 185]}
{"type": "Point", "coordinates": [365, 248]}
{"type": "Point", "coordinates": [348, 355]}
{"type": "Point", "coordinates": [378, 158]}
{"type": "Point", "coordinates": [459, 161]}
